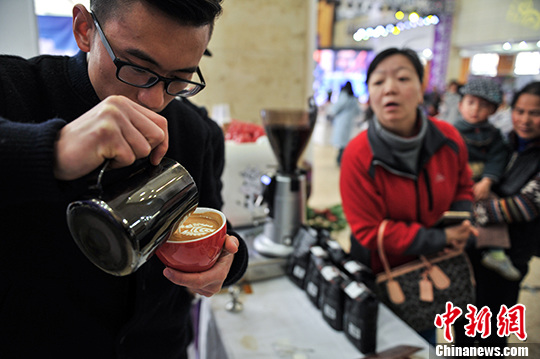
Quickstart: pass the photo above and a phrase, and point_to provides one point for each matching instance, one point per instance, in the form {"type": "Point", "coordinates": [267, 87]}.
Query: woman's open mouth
{"type": "Point", "coordinates": [391, 105]}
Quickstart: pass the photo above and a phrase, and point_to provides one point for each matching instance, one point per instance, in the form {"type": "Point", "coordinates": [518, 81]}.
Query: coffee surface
{"type": "Point", "coordinates": [196, 226]}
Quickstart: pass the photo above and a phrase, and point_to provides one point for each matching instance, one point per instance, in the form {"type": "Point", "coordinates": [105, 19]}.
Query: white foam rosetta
{"type": "Point", "coordinates": [196, 229]}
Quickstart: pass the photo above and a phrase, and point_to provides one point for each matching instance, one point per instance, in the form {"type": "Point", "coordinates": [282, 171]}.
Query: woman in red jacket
{"type": "Point", "coordinates": [406, 168]}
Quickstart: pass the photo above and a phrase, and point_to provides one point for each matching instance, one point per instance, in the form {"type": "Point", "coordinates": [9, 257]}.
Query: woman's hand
{"type": "Point", "coordinates": [457, 236]}
{"type": "Point", "coordinates": [482, 188]}
{"type": "Point", "coordinates": [209, 282]}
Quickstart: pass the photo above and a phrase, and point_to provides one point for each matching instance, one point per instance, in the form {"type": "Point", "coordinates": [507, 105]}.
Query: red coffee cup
{"type": "Point", "coordinates": [197, 243]}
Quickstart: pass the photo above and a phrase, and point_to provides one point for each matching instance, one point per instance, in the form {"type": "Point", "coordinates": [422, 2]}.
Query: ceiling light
{"type": "Point", "coordinates": [413, 17]}
{"type": "Point", "coordinates": [380, 30]}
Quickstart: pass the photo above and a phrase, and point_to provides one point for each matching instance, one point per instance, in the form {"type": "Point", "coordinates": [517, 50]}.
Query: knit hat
{"type": "Point", "coordinates": [485, 88]}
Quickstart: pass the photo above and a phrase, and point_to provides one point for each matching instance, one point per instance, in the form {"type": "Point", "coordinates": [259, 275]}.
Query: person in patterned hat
{"type": "Point", "coordinates": [518, 206]}
{"type": "Point", "coordinates": [488, 156]}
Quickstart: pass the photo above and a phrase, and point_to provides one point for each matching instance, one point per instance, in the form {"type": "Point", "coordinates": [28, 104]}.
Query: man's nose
{"type": "Point", "coordinates": [153, 97]}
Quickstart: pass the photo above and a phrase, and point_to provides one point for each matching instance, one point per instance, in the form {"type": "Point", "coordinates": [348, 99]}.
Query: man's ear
{"type": "Point", "coordinates": [83, 27]}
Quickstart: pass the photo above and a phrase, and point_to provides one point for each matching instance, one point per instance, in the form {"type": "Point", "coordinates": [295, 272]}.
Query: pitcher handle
{"type": "Point", "coordinates": [98, 187]}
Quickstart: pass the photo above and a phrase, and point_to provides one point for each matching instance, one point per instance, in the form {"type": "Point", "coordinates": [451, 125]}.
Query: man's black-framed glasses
{"type": "Point", "coordinates": [144, 78]}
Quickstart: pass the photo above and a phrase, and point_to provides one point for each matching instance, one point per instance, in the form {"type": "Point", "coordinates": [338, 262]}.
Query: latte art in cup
{"type": "Point", "coordinates": [196, 230]}
{"type": "Point", "coordinates": [196, 244]}
{"type": "Point", "coordinates": [197, 225]}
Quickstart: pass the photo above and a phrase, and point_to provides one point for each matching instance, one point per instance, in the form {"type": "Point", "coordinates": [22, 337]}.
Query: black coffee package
{"type": "Point", "coordinates": [332, 298]}
{"type": "Point", "coordinates": [335, 252]}
{"type": "Point", "coordinates": [323, 236]}
{"type": "Point", "coordinates": [359, 272]}
{"type": "Point", "coordinates": [317, 260]}
{"type": "Point", "coordinates": [360, 316]}
{"type": "Point", "coordinates": [298, 261]}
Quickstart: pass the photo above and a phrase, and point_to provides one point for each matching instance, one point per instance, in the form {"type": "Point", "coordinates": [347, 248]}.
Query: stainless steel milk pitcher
{"type": "Point", "coordinates": [124, 221]}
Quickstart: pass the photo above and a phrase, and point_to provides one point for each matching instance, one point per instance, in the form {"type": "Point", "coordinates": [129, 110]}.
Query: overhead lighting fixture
{"type": "Point", "coordinates": [484, 64]}
{"type": "Point", "coordinates": [381, 30]}
{"type": "Point", "coordinates": [427, 53]}
{"type": "Point", "coordinates": [413, 17]}
{"type": "Point", "coordinates": [527, 63]}
{"type": "Point", "coordinates": [507, 46]}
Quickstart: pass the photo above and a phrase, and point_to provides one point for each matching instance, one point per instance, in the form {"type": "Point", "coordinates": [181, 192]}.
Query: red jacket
{"type": "Point", "coordinates": [375, 187]}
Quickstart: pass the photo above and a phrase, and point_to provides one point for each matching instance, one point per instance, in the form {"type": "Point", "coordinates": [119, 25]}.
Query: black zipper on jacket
{"type": "Point", "coordinates": [429, 194]}
{"type": "Point", "coordinates": [418, 219]}
{"type": "Point", "coordinates": [428, 187]}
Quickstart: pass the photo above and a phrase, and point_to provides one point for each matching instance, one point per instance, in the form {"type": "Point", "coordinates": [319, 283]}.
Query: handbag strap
{"type": "Point", "coordinates": [382, 254]}
{"type": "Point", "coordinates": [380, 246]}
{"type": "Point", "coordinates": [439, 278]}
{"type": "Point", "coordinates": [426, 261]}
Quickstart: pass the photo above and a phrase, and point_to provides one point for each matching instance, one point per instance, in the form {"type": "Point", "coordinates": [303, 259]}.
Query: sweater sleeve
{"type": "Point", "coordinates": [522, 207]}
{"type": "Point", "coordinates": [27, 160]}
{"type": "Point", "coordinates": [497, 158]}
{"type": "Point", "coordinates": [240, 262]}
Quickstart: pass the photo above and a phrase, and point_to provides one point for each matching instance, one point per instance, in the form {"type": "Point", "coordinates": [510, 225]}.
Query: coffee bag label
{"type": "Point", "coordinates": [299, 272]}
{"type": "Point", "coordinates": [354, 331]}
{"type": "Point", "coordinates": [329, 273]}
{"type": "Point", "coordinates": [354, 290]}
{"type": "Point", "coordinates": [352, 267]}
{"type": "Point", "coordinates": [330, 311]}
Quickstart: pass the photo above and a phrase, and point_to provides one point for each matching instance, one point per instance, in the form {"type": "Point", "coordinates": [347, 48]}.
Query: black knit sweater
{"type": "Point", "coordinates": [53, 300]}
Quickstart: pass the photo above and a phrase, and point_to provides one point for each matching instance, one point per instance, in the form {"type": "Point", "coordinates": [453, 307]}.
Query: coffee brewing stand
{"type": "Point", "coordinates": [288, 132]}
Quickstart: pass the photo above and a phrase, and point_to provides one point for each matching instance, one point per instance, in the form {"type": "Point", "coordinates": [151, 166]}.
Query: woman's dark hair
{"type": "Point", "coordinates": [187, 12]}
{"type": "Point", "coordinates": [348, 88]}
{"type": "Point", "coordinates": [532, 88]}
{"type": "Point", "coordinates": [408, 53]}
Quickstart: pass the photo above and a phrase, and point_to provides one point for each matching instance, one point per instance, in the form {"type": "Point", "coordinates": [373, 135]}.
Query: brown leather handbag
{"type": "Point", "coordinates": [417, 291]}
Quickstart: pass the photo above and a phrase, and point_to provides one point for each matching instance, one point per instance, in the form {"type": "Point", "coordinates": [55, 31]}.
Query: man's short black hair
{"type": "Point", "coordinates": [188, 12]}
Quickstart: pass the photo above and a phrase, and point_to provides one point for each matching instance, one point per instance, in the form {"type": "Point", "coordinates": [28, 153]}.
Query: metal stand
{"type": "Point", "coordinates": [288, 213]}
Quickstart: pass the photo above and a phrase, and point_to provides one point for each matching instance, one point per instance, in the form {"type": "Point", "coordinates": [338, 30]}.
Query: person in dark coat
{"type": "Point", "coordinates": [518, 206]}
{"type": "Point", "coordinates": [488, 156]}
{"type": "Point", "coordinates": [61, 118]}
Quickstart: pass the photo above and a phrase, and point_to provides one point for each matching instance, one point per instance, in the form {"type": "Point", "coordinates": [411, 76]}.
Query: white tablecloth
{"type": "Point", "coordinates": [279, 321]}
